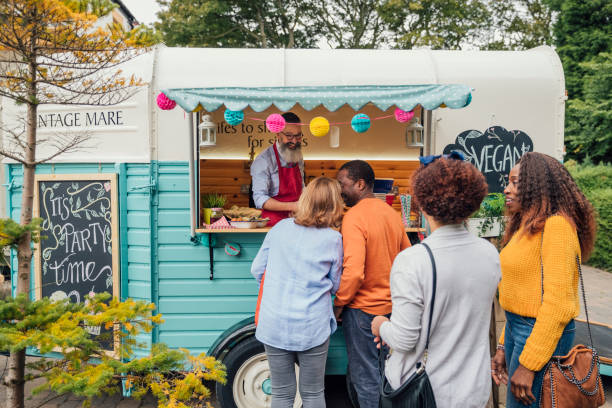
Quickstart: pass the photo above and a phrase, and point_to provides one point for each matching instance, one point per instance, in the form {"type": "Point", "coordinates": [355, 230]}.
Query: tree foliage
{"type": "Point", "coordinates": [52, 52]}
{"type": "Point", "coordinates": [349, 23]}
{"type": "Point", "coordinates": [235, 23]}
{"type": "Point", "coordinates": [436, 24]}
{"type": "Point", "coordinates": [588, 131]}
{"type": "Point", "coordinates": [519, 25]}
{"type": "Point", "coordinates": [85, 369]}
{"type": "Point", "coordinates": [582, 31]}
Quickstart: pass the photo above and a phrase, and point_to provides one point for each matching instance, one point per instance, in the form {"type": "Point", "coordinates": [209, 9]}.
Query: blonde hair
{"type": "Point", "coordinates": [321, 204]}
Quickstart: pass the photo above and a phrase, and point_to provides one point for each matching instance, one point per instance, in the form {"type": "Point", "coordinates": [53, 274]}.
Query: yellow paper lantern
{"type": "Point", "coordinates": [319, 126]}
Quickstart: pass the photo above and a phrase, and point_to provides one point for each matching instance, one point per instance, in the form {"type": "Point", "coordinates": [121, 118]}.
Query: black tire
{"type": "Point", "coordinates": [350, 390]}
{"type": "Point", "coordinates": [234, 360]}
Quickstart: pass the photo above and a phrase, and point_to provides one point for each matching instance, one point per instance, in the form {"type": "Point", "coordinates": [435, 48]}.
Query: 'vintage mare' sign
{"type": "Point", "coordinates": [78, 251]}
{"type": "Point", "coordinates": [493, 152]}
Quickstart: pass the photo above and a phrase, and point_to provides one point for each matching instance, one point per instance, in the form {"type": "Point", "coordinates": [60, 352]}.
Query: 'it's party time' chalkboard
{"type": "Point", "coordinates": [78, 250]}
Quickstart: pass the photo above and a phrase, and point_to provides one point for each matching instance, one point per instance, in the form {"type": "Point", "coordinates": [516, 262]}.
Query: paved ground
{"type": "Point", "coordinates": [598, 285]}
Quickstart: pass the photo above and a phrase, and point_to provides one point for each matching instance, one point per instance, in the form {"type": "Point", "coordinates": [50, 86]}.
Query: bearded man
{"type": "Point", "coordinates": [278, 173]}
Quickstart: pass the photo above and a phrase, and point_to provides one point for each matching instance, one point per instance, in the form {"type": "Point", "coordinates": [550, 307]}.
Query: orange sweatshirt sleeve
{"type": "Point", "coordinates": [559, 305]}
{"type": "Point", "coordinates": [354, 243]}
{"type": "Point", "coordinates": [405, 241]}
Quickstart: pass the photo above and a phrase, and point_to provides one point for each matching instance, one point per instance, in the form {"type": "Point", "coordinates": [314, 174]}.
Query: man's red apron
{"type": "Point", "coordinates": [289, 189]}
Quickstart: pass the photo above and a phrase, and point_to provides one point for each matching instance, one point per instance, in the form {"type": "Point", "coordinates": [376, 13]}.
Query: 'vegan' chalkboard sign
{"type": "Point", "coordinates": [78, 251]}
{"type": "Point", "coordinates": [494, 152]}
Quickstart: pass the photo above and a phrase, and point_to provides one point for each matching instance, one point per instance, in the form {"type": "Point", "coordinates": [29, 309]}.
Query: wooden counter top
{"type": "Point", "coordinates": [263, 230]}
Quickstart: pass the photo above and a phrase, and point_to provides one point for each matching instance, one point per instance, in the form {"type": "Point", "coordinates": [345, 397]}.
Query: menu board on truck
{"type": "Point", "coordinates": [78, 253]}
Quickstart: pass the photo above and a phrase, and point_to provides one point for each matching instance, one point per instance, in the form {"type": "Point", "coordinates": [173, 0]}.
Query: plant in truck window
{"type": "Point", "coordinates": [491, 211]}
{"type": "Point", "coordinates": [213, 200]}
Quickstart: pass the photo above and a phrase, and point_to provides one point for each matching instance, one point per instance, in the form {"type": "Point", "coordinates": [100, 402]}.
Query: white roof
{"type": "Point", "coordinates": [225, 67]}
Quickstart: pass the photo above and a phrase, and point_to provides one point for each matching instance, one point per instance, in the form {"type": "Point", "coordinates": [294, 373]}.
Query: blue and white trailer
{"type": "Point", "coordinates": [206, 296]}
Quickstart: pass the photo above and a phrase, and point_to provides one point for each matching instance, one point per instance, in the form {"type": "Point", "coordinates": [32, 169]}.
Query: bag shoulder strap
{"type": "Point", "coordinates": [578, 264]}
{"type": "Point", "coordinates": [433, 291]}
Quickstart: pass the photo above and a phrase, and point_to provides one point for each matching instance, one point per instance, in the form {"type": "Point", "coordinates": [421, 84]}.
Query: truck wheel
{"type": "Point", "coordinates": [248, 378]}
{"type": "Point", "coordinates": [350, 390]}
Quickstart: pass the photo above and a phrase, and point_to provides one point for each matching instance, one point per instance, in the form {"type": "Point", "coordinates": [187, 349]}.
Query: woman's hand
{"type": "Point", "coordinates": [498, 367]}
{"type": "Point", "coordinates": [376, 323]}
{"type": "Point", "coordinates": [520, 385]}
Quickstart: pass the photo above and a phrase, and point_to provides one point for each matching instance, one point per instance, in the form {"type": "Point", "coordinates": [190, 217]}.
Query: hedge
{"type": "Point", "coordinates": [596, 184]}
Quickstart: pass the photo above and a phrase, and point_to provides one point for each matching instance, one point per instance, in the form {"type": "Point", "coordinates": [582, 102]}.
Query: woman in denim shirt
{"type": "Point", "coordinates": [302, 261]}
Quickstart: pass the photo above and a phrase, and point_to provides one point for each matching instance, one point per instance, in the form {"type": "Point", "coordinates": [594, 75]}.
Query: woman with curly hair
{"type": "Point", "coordinates": [551, 224]}
{"type": "Point", "coordinates": [447, 190]}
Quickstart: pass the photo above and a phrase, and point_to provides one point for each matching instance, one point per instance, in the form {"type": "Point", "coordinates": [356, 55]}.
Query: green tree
{"type": "Point", "coordinates": [588, 123]}
{"type": "Point", "coordinates": [51, 52]}
{"type": "Point", "coordinates": [437, 24]}
{"type": "Point", "coordinates": [235, 23]}
{"type": "Point", "coordinates": [582, 31]}
{"type": "Point", "coordinates": [349, 23]}
{"type": "Point", "coordinates": [519, 25]}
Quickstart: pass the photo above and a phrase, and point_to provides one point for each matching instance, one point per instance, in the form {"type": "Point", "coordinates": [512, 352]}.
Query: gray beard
{"type": "Point", "coordinates": [288, 155]}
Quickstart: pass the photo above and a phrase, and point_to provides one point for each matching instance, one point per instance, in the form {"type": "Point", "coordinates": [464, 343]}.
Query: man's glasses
{"type": "Point", "coordinates": [293, 137]}
{"type": "Point", "coordinates": [427, 160]}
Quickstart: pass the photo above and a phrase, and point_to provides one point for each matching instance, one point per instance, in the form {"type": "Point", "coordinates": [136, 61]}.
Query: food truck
{"type": "Point", "coordinates": [153, 164]}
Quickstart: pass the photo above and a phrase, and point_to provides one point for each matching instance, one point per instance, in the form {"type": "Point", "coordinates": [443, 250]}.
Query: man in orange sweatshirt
{"type": "Point", "coordinates": [372, 235]}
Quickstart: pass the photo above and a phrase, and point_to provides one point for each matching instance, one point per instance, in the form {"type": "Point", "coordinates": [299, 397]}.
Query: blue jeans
{"type": "Point", "coordinates": [518, 329]}
{"type": "Point", "coordinates": [312, 375]}
{"type": "Point", "coordinates": [362, 356]}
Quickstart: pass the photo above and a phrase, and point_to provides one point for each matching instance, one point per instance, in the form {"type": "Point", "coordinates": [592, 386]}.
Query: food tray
{"type": "Point", "coordinates": [249, 224]}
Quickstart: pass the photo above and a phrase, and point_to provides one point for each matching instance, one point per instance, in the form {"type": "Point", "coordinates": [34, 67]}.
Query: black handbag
{"type": "Point", "coordinates": [416, 391]}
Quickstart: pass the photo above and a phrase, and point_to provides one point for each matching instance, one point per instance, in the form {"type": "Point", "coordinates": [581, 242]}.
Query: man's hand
{"type": "Point", "coordinates": [498, 367]}
{"type": "Point", "coordinates": [376, 323]}
{"type": "Point", "coordinates": [338, 312]}
{"type": "Point", "coordinates": [520, 385]}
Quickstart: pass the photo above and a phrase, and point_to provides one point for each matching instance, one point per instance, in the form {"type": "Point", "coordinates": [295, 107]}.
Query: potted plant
{"type": "Point", "coordinates": [212, 204]}
{"type": "Point", "coordinates": [489, 220]}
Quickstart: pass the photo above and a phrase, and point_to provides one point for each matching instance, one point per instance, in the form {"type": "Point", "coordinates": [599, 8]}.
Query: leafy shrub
{"type": "Point", "coordinates": [596, 184]}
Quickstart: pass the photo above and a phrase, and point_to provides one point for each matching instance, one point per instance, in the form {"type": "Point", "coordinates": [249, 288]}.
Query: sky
{"type": "Point", "coordinates": [143, 10]}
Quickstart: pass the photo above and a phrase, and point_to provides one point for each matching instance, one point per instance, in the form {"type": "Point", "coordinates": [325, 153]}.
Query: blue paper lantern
{"type": "Point", "coordinates": [233, 117]}
{"type": "Point", "coordinates": [360, 122]}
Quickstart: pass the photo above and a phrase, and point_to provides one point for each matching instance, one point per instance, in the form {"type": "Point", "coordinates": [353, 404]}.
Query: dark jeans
{"type": "Point", "coordinates": [362, 356]}
{"type": "Point", "coordinates": [518, 329]}
{"type": "Point", "coordinates": [312, 376]}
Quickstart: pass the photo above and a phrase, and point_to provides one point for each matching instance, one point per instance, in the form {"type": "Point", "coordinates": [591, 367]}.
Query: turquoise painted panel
{"type": "Point", "coordinates": [141, 290]}
{"type": "Point", "coordinates": [172, 218]}
{"type": "Point", "coordinates": [139, 237]}
{"type": "Point", "coordinates": [174, 200]}
{"type": "Point", "coordinates": [173, 182]}
{"type": "Point", "coordinates": [137, 182]}
{"type": "Point", "coordinates": [139, 219]}
{"type": "Point", "coordinates": [606, 369]}
{"type": "Point", "coordinates": [174, 168]}
{"type": "Point", "coordinates": [189, 339]}
{"type": "Point", "coordinates": [197, 304]}
{"type": "Point", "coordinates": [138, 170]}
{"type": "Point", "coordinates": [200, 253]}
{"type": "Point", "coordinates": [198, 270]}
{"type": "Point", "coordinates": [139, 272]}
{"type": "Point", "coordinates": [138, 202]}
{"type": "Point", "coordinates": [206, 287]}
{"type": "Point", "coordinates": [174, 235]}
{"type": "Point", "coordinates": [201, 322]}
{"type": "Point", "coordinates": [141, 254]}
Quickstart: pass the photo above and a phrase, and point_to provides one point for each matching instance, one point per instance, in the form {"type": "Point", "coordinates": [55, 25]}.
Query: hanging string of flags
{"type": "Point", "coordinates": [319, 126]}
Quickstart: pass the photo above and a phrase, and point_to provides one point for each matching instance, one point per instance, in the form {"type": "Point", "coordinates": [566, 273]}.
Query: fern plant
{"type": "Point", "coordinates": [491, 210]}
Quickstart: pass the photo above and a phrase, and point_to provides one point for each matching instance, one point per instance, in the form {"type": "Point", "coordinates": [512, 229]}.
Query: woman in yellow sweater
{"type": "Point", "coordinates": [551, 222]}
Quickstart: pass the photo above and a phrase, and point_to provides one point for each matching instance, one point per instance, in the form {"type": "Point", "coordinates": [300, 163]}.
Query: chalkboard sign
{"type": "Point", "coordinates": [78, 251]}
{"type": "Point", "coordinates": [494, 152]}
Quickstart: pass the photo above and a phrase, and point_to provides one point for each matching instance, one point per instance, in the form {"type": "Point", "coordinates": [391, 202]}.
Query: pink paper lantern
{"type": "Point", "coordinates": [164, 102]}
{"type": "Point", "coordinates": [275, 123]}
{"type": "Point", "coordinates": [403, 116]}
